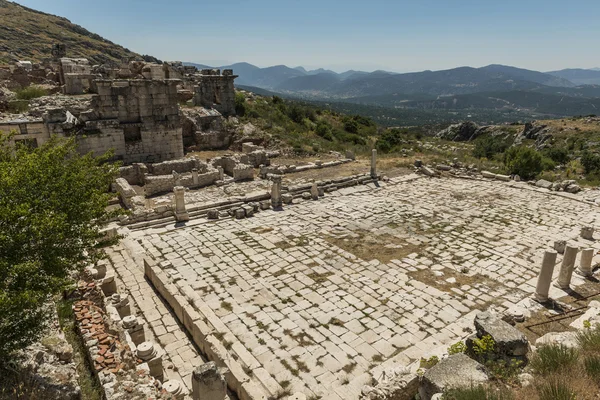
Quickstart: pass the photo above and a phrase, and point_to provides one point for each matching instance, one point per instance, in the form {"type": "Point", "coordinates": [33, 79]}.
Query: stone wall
{"type": "Point", "coordinates": [166, 183]}
{"type": "Point", "coordinates": [214, 90]}
{"type": "Point", "coordinates": [139, 119]}
{"type": "Point", "coordinates": [180, 166]}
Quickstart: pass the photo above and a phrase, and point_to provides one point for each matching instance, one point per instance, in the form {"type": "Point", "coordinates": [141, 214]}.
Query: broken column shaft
{"type": "Point", "coordinates": [566, 268]}
{"type": "Point", "coordinates": [374, 163]}
{"type": "Point", "coordinates": [585, 264]}
{"type": "Point", "coordinates": [276, 199]}
{"type": "Point", "coordinates": [545, 277]}
{"type": "Point", "coordinates": [180, 211]}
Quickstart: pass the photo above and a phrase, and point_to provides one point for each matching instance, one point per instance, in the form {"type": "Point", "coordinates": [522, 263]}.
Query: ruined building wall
{"type": "Point", "coordinates": [214, 90]}
{"type": "Point", "coordinates": [139, 119]}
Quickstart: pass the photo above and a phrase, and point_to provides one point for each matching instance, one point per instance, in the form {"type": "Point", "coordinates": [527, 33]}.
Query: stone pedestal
{"type": "Point", "coordinates": [566, 268]}
{"type": "Point", "coordinates": [195, 179]}
{"type": "Point", "coordinates": [208, 383]}
{"type": "Point", "coordinates": [109, 285]}
{"type": "Point", "coordinates": [545, 277]}
{"type": "Point", "coordinates": [276, 199]}
{"type": "Point", "coordinates": [374, 163]}
{"type": "Point", "coordinates": [135, 329]}
{"type": "Point", "coordinates": [121, 303]}
{"type": "Point", "coordinates": [587, 232]}
{"type": "Point", "coordinates": [147, 352]}
{"type": "Point", "coordinates": [179, 198]}
{"type": "Point", "coordinates": [560, 245]}
{"type": "Point", "coordinates": [221, 173]}
{"type": "Point", "coordinates": [585, 263]}
{"type": "Point", "coordinates": [175, 388]}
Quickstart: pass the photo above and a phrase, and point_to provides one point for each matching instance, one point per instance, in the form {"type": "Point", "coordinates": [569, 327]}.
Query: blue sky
{"type": "Point", "coordinates": [396, 35]}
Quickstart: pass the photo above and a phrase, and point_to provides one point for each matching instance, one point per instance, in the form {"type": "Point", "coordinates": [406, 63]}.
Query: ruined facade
{"type": "Point", "coordinates": [215, 90]}
{"type": "Point", "coordinates": [139, 119]}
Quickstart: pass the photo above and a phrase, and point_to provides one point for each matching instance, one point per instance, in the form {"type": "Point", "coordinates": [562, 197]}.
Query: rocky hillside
{"type": "Point", "coordinates": [27, 34]}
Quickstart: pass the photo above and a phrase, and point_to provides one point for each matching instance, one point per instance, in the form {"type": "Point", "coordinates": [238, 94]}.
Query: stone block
{"type": "Point", "coordinates": [509, 340]}
{"type": "Point", "coordinates": [456, 371]}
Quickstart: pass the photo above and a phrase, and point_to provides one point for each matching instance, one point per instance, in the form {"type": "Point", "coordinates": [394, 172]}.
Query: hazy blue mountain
{"type": "Point", "coordinates": [318, 82]}
{"type": "Point", "coordinates": [579, 76]}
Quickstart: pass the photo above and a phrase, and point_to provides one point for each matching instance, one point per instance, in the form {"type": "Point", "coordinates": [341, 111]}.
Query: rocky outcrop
{"type": "Point", "coordinates": [463, 132]}
{"type": "Point", "coordinates": [533, 131]}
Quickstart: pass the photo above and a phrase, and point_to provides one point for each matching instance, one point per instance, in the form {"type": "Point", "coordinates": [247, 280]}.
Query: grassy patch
{"type": "Point", "coordinates": [552, 358]}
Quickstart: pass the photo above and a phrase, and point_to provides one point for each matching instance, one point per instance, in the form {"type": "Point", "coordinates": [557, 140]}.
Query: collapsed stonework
{"type": "Point", "coordinates": [132, 108]}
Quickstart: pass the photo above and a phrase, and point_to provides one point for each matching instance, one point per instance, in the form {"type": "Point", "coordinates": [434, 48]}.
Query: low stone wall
{"type": "Point", "coordinates": [288, 169]}
{"type": "Point", "coordinates": [256, 158]}
{"type": "Point", "coordinates": [125, 192]}
{"type": "Point", "coordinates": [243, 172]}
{"type": "Point", "coordinates": [134, 174]}
{"type": "Point", "coordinates": [166, 183]}
{"type": "Point", "coordinates": [204, 325]}
{"type": "Point", "coordinates": [181, 166]}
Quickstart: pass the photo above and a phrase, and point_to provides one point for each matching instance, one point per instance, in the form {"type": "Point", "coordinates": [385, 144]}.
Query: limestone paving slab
{"type": "Point", "coordinates": [321, 296]}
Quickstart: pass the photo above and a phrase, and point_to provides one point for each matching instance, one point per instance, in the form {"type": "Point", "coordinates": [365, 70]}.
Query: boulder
{"type": "Point", "coordinates": [509, 340]}
{"type": "Point", "coordinates": [544, 184]}
{"type": "Point", "coordinates": [568, 339]}
{"type": "Point", "coordinates": [456, 371]}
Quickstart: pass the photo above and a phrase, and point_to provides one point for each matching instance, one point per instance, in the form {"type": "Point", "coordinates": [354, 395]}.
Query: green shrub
{"type": "Point", "coordinates": [555, 389]}
{"type": "Point", "coordinates": [589, 339]}
{"type": "Point", "coordinates": [323, 128]}
{"type": "Point", "coordinates": [551, 358]}
{"type": "Point", "coordinates": [523, 161]}
{"type": "Point", "coordinates": [240, 104]}
{"type": "Point", "coordinates": [428, 363]}
{"type": "Point", "coordinates": [559, 155]}
{"type": "Point", "coordinates": [389, 140]}
{"type": "Point", "coordinates": [592, 367]}
{"type": "Point", "coordinates": [458, 347]}
{"type": "Point", "coordinates": [351, 126]}
{"type": "Point", "coordinates": [548, 164]}
{"type": "Point", "coordinates": [18, 106]}
{"type": "Point", "coordinates": [478, 393]}
{"type": "Point", "coordinates": [489, 146]}
{"type": "Point", "coordinates": [31, 92]}
{"type": "Point", "coordinates": [590, 162]}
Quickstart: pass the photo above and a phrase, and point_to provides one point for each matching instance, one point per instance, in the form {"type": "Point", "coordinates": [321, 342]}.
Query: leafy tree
{"type": "Point", "coordinates": [523, 161]}
{"type": "Point", "coordinates": [52, 203]}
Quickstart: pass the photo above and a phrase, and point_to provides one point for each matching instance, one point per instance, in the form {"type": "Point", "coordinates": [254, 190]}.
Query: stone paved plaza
{"type": "Point", "coordinates": [324, 295]}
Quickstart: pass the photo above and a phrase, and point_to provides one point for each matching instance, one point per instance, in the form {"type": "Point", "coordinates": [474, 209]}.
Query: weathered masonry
{"type": "Point", "coordinates": [139, 119]}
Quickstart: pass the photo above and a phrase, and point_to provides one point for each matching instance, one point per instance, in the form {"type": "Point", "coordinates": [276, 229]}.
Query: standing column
{"type": "Point", "coordinates": [276, 200]}
{"type": "Point", "coordinates": [545, 277]}
{"type": "Point", "coordinates": [566, 268]}
{"type": "Point", "coordinates": [195, 178]}
{"type": "Point", "coordinates": [181, 213]}
{"type": "Point", "coordinates": [585, 264]}
{"type": "Point", "coordinates": [374, 163]}
{"type": "Point", "coordinates": [208, 383]}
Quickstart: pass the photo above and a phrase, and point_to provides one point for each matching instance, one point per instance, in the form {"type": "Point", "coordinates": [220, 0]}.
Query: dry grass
{"type": "Point", "coordinates": [439, 282]}
{"type": "Point", "coordinates": [372, 247]}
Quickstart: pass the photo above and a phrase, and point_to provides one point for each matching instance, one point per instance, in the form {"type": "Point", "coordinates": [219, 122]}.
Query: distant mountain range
{"type": "Point", "coordinates": [495, 91]}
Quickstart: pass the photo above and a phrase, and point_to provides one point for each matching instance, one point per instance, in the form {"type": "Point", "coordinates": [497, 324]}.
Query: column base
{"type": "Point", "coordinates": [182, 217]}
